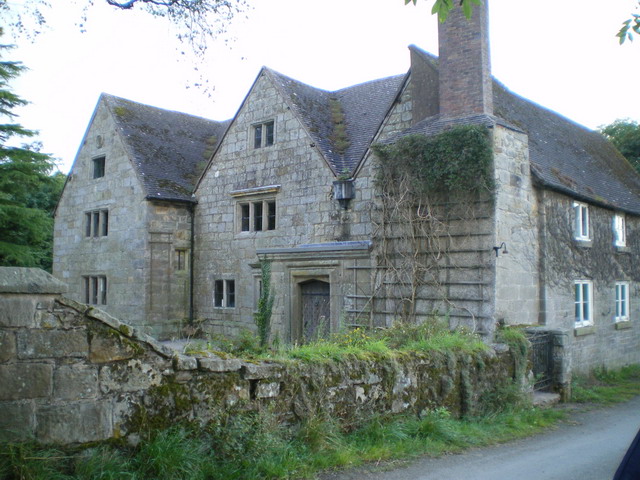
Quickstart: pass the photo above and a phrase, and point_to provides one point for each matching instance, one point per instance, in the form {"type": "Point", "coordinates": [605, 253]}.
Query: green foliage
{"type": "Point", "coordinates": [457, 161]}
{"type": "Point", "coordinates": [629, 27]}
{"type": "Point", "coordinates": [443, 7]}
{"type": "Point", "coordinates": [104, 463]}
{"type": "Point", "coordinates": [519, 345]}
{"type": "Point", "coordinates": [262, 317]}
{"type": "Point", "coordinates": [625, 135]}
{"type": "Point", "coordinates": [28, 193]}
{"type": "Point", "coordinates": [606, 386]}
{"type": "Point", "coordinates": [338, 136]}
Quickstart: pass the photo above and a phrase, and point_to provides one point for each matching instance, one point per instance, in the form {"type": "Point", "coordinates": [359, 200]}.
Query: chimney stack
{"type": "Point", "coordinates": [464, 63]}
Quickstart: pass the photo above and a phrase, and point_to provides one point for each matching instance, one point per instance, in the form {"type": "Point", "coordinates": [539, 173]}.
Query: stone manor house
{"type": "Point", "coordinates": [165, 218]}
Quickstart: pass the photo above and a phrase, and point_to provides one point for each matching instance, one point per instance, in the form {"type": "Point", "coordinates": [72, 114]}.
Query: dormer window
{"type": "Point", "coordinates": [98, 167]}
{"type": "Point", "coordinates": [263, 134]}
{"type": "Point", "coordinates": [619, 230]}
{"type": "Point", "coordinates": [581, 226]}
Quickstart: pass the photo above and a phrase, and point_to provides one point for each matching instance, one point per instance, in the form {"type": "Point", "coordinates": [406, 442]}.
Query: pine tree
{"type": "Point", "coordinates": [27, 191]}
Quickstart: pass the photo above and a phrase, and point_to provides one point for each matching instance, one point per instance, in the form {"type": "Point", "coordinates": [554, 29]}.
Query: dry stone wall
{"type": "Point", "coordinates": [70, 373]}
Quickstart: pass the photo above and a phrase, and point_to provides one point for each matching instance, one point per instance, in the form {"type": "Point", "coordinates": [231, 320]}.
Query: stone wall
{"type": "Point", "coordinates": [73, 374]}
{"type": "Point", "coordinates": [606, 343]}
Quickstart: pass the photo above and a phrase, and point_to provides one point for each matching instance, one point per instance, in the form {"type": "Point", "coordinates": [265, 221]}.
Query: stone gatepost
{"type": "Point", "coordinates": [30, 341]}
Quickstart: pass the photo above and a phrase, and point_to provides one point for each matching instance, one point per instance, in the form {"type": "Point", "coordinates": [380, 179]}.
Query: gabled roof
{"type": "Point", "coordinates": [168, 149]}
{"type": "Point", "coordinates": [363, 108]}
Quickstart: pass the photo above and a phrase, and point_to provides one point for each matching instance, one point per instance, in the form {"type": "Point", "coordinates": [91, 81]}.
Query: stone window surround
{"type": "Point", "coordinates": [181, 259]}
{"type": "Point", "coordinates": [94, 289]}
{"type": "Point", "coordinates": [96, 223]}
{"type": "Point", "coordinates": [263, 134]}
{"type": "Point", "coordinates": [98, 166]}
{"type": "Point", "coordinates": [581, 227]}
{"type": "Point", "coordinates": [619, 230]}
{"type": "Point", "coordinates": [583, 307]}
{"type": "Point", "coordinates": [621, 307]}
{"type": "Point", "coordinates": [224, 293]}
{"type": "Point", "coordinates": [247, 201]}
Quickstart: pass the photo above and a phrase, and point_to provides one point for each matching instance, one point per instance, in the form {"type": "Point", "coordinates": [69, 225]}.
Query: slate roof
{"type": "Point", "coordinates": [570, 158]}
{"type": "Point", "coordinates": [364, 107]}
{"type": "Point", "coordinates": [168, 149]}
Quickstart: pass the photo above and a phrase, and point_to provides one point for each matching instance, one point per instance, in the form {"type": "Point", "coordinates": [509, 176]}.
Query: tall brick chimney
{"type": "Point", "coordinates": [464, 63]}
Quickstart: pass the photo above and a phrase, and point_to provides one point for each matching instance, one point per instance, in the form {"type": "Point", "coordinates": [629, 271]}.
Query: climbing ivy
{"type": "Point", "coordinates": [456, 161]}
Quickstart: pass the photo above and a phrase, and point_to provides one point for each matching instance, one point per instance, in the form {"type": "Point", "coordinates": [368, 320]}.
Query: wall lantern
{"type": "Point", "coordinates": [502, 246]}
{"type": "Point", "coordinates": [343, 191]}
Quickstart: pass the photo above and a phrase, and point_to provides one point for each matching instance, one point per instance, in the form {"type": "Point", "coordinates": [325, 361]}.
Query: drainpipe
{"type": "Point", "coordinates": [192, 208]}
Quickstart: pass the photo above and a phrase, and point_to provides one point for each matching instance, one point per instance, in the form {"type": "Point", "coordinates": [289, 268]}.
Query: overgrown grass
{"type": "Point", "coordinates": [604, 386]}
{"type": "Point", "coordinates": [256, 446]}
{"type": "Point", "coordinates": [355, 343]}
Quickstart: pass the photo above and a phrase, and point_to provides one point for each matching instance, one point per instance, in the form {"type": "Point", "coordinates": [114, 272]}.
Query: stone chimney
{"type": "Point", "coordinates": [464, 63]}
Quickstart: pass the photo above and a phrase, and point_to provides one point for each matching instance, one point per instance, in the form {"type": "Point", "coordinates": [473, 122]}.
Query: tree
{"type": "Point", "coordinates": [625, 135]}
{"type": "Point", "coordinates": [196, 21]}
{"type": "Point", "coordinates": [28, 193]}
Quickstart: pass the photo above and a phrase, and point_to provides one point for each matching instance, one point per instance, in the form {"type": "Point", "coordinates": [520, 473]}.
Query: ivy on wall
{"type": "Point", "coordinates": [456, 161]}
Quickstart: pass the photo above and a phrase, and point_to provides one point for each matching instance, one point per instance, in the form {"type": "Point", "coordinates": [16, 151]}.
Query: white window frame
{"type": "Point", "coordinates": [583, 308]}
{"type": "Point", "coordinates": [581, 228]}
{"type": "Point", "coordinates": [619, 230]}
{"type": "Point", "coordinates": [227, 297]}
{"type": "Point", "coordinates": [621, 307]}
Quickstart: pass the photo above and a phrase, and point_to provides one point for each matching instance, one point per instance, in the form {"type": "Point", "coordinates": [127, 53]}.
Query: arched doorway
{"type": "Point", "coordinates": [315, 309]}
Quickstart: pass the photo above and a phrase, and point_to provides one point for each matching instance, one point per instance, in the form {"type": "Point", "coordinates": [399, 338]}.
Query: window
{"type": "Point", "coordinates": [619, 230]}
{"type": "Point", "coordinates": [581, 229]}
{"type": "Point", "coordinates": [181, 260]}
{"type": "Point", "coordinates": [263, 134]}
{"type": "Point", "coordinates": [96, 223]}
{"type": "Point", "coordinates": [95, 290]}
{"type": "Point", "coordinates": [622, 302]}
{"type": "Point", "coordinates": [98, 167]}
{"type": "Point", "coordinates": [583, 303]}
{"type": "Point", "coordinates": [224, 294]}
{"type": "Point", "coordinates": [257, 216]}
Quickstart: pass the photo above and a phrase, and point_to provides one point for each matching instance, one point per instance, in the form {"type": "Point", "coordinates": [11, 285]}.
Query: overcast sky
{"type": "Point", "coordinates": [562, 54]}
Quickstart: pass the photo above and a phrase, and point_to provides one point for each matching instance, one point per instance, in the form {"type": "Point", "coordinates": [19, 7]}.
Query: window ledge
{"type": "Point", "coordinates": [582, 331]}
{"type": "Point", "coordinates": [622, 249]}
{"type": "Point", "coordinates": [583, 243]}
{"type": "Point", "coordinates": [624, 325]}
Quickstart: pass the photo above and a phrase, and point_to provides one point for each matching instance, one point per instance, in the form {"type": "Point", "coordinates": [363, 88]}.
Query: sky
{"type": "Point", "coordinates": [562, 54]}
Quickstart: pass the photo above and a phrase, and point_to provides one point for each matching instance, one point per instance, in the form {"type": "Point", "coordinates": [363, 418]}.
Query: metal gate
{"type": "Point", "coordinates": [542, 359]}
{"type": "Point", "coordinates": [316, 311]}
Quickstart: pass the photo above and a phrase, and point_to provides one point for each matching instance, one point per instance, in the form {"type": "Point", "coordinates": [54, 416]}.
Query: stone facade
{"type": "Point", "coordinates": [604, 341]}
{"type": "Point", "coordinates": [74, 374]}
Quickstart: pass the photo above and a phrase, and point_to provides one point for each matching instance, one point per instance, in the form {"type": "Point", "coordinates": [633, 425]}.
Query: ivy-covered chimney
{"type": "Point", "coordinates": [464, 63]}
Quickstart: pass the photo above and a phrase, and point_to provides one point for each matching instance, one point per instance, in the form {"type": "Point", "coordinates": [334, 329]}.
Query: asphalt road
{"type": "Point", "coordinates": [587, 447]}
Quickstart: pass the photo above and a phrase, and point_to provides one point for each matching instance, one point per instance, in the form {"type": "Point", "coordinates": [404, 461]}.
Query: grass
{"type": "Point", "coordinates": [607, 386]}
{"type": "Point", "coordinates": [255, 445]}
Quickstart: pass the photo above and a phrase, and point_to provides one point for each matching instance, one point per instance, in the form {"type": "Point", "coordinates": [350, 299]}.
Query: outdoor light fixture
{"type": "Point", "coordinates": [502, 246]}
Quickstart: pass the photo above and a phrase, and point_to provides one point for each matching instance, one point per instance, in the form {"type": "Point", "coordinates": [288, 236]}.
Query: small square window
{"type": "Point", "coordinates": [581, 226]}
{"type": "Point", "coordinates": [264, 134]}
{"type": "Point", "coordinates": [619, 230]}
{"type": "Point", "coordinates": [622, 302]}
{"type": "Point", "coordinates": [98, 167]}
{"type": "Point", "coordinates": [181, 260]}
{"type": "Point", "coordinates": [224, 294]}
{"type": "Point", "coordinates": [257, 216]}
{"type": "Point", "coordinates": [95, 290]}
{"type": "Point", "coordinates": [96, 223]}
{"type": "Point", "coordinates": [583, 303]}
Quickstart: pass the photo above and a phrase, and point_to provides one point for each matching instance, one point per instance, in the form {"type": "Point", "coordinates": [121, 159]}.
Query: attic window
{"type": "Point", "coordinates": [619, 230]}
{"type": "Point", "coordinates": [98, 167]}
{"type": "Point", "coordinates": [581, 225]}
{"type": "Point", "coordinates": [263, 134]}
